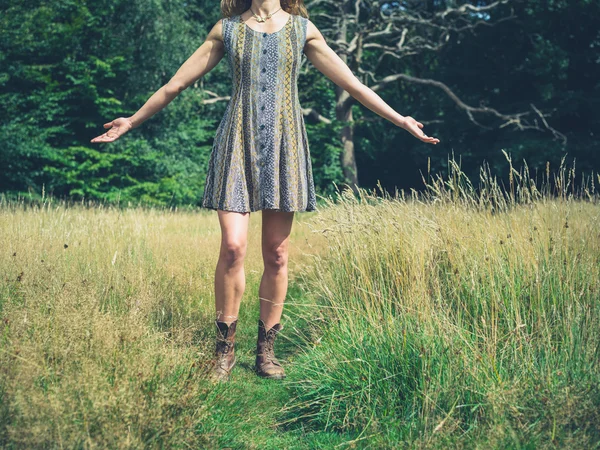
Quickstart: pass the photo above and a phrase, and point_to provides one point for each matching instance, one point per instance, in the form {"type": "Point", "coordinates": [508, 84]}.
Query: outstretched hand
{"type": "Point", "coordinates": [118, 128]}
{"type": "Point", "coordinates": [414, 128]}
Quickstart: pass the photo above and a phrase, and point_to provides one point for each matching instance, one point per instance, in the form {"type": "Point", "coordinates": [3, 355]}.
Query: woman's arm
{"type": "Point", "coordinates": [332, 66]}
{"type": "Point", "coordinates": [202, 61]}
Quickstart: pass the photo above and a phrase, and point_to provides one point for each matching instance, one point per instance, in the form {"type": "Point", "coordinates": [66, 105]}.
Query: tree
{"type": "Point", "coordinates": [370, 35]}
{"type": "Point", "coordinates": [70, 66]}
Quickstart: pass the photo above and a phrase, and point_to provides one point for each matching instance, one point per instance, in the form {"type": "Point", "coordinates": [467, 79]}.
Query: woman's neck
{"type": "Point", "coordinates": [265, 7]}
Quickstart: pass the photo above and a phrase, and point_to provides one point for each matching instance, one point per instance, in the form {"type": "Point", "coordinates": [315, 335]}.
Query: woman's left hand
{"type": "Point", "coordinates": [414, 128]}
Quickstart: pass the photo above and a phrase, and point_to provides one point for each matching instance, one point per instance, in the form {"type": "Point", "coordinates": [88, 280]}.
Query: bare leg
{"type": "Point", "coordinates": [230, 278]}
{"type": "Point", "coordinates": [276, 229]}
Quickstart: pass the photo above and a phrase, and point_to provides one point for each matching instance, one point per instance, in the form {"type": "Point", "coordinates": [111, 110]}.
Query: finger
{"type": "Point", "coordinates": [420, 124]}
{"type": "Point", "coordinates": [107, 125]}
{"type": "Point", "coordinates": [98, 138]}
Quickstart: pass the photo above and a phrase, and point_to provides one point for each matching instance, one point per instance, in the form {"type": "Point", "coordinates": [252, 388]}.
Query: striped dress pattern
{"type": "Point", "coordinates": [260, 157]}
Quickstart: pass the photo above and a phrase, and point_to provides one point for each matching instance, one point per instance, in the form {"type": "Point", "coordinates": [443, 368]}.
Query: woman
{"type": "Point", "coordinates": [260, 158]}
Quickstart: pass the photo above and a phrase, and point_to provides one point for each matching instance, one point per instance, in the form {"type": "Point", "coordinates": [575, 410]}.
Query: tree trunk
{"type": "Point", "coordinates": [343, 112]}
{"type": "Point", "coordinates": [347, 158]}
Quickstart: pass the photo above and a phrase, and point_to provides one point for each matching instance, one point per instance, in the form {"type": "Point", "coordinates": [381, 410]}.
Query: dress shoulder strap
{"type": "Point", "coordinates": [228, 30]}
{"type": "Point", "coordinates": [302, 28]}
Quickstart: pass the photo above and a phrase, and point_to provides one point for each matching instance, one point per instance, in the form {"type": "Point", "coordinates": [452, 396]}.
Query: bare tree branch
{"type": "Point", "coordinates": [215, 98]}
{"type": "Point", "coordinates": [311, 112]}
{"type": "Point", "coordinates": [412, 29]}
{"type": "Point", "coordinates": [467, 6]}
{"type": "Point", "coordinates": [516, 120]}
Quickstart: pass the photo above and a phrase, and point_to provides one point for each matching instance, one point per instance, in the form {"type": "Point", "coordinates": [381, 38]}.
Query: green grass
{"type": "Point", "coordinates": [455, 318]}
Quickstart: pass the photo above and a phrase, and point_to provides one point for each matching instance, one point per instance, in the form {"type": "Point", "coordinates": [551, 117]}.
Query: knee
{"type": "Point", "coordinates": [276, 259]}
{"type": "Point", "coordinates": [233, 253]}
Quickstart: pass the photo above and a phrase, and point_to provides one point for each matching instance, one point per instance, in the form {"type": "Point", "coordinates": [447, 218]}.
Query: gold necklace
{"type": "Point", "coordinates": [260, 18]}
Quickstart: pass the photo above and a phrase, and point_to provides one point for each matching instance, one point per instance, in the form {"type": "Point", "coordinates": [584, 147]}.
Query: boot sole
{"type": "Point", "coordinates": [272, 377]}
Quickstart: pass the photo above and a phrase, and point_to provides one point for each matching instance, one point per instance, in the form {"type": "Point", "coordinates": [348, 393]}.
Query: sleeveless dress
{"type": "Point", "coordinates": [260, 157]}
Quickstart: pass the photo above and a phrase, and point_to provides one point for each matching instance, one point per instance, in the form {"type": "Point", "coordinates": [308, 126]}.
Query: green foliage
{"type": "Point", "coordinates": [74, 66]}
{"type": "Point", "coordinates": [326, 151]}
{"type": "Point", "coordinates": [68, 67]}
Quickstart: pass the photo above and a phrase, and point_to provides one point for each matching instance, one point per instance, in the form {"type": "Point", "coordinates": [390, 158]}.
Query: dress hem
{"type": "Point", "coordinates": [258, 209]}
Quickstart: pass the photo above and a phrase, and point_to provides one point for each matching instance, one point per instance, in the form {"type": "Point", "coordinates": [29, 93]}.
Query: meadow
{"type": "Point", "coordinates": [456, 317]}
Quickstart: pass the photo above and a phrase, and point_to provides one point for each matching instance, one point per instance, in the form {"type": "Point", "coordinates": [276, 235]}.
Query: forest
{"type": "Point", "coordinates": [483, 76]}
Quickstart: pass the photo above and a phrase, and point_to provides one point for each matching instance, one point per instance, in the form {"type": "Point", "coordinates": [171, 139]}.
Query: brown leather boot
{"type": "Point", "coordinates": [224, 351]}
{"type": "Point", "coordinates": [266, 364]}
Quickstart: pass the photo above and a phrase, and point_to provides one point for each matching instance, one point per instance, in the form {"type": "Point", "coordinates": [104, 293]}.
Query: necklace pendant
{"type": "Point", "coordinates": [261, 19]}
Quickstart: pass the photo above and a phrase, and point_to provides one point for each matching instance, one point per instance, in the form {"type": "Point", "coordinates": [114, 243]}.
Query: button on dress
{"type": "Point", "coordinates": [260, 157]}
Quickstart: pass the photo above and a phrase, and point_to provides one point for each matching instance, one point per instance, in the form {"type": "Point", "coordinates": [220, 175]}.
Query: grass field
{"type": "Point", "coordinates": [454, 318]}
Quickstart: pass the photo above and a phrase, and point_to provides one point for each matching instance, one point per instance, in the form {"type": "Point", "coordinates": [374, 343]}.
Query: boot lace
{"type": "Point", "coordinates": [268, 350]}
{"type": "Point", "coordinates": [224, 346]}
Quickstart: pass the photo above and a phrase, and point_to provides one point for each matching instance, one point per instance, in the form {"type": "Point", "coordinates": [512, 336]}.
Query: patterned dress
{"type": "Point", "coordinates": [260, 156]}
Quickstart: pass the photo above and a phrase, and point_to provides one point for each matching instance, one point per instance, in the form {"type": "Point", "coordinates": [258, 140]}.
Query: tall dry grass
{"type": "Point", "coordinates": [454, 317]}
{"type": "Point", "coordinates": [458, 316]}
{"type": "Point", "coordinates": [106, 325]}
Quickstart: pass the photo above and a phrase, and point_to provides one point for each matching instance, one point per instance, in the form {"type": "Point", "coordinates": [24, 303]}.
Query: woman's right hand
{"type": "Point", "coordinates": [118, 128]}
